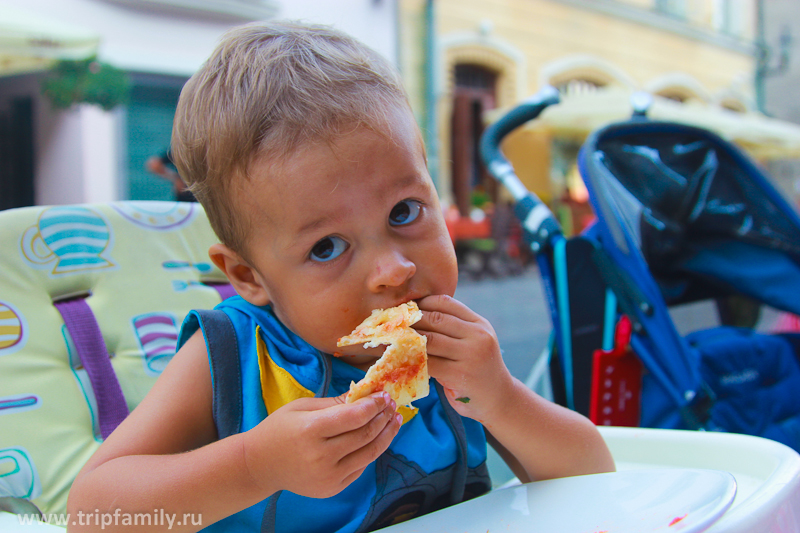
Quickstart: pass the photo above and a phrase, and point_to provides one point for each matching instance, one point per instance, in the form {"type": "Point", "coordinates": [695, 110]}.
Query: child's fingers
{"type": "Point", "coordinates": [441, 345]}
{"type": "Point", "coordinates": [340, 418]}
{"type": "Point", "coordinates": [357, 460]}
{"type": "Point", "coordinates": [315, 404]}
{"type": "Point", "coordinates": [453, 324]}
{"type": "Point", "coordinates": [450, 375]}
{"type": "Point", "coordinates": [443, 369]}
{"type": "Point", "coordinates": [347, 443]}
{"type": "Point", "coordinates": [447, 305]}
{"type": "Point", "coordinates": [442, 322]}
{"type": "Point", "coordinates": [353, 476]}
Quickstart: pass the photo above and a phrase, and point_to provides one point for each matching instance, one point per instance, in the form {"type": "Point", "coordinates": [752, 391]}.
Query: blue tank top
{"type": "Point", "coordinates": [437, 459]}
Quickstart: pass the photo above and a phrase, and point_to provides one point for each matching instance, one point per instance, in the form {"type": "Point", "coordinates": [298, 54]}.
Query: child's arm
{"type": "Point", "coordinates": [544, 439]}
{"type": "Point", "coordinates": [165, 455]}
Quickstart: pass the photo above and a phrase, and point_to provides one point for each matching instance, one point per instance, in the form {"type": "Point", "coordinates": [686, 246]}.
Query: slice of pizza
{"type": "Point", "coordinates": [402, 370]}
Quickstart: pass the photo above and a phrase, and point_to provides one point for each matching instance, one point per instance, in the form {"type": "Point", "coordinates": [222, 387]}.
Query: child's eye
{"type": "Point", "coordinates": [327, 249]}
{"type": "Point", "coordinates": [404, 212]}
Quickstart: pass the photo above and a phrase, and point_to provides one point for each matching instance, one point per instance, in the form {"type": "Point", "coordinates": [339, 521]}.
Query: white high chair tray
{"type": "Point", "coordinates": [685, 500]}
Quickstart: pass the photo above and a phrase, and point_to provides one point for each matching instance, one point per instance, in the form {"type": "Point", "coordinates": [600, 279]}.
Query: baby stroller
{"type": "Point", "coordinates": [682, 216]}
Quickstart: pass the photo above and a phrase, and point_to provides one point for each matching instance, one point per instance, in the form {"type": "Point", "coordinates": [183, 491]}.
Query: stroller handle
{"type": "Point", "coordinates": [538, 223]}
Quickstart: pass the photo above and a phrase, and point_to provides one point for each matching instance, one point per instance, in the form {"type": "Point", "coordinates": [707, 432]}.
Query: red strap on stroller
{"type": "Point", "coordinates": [616, 381]}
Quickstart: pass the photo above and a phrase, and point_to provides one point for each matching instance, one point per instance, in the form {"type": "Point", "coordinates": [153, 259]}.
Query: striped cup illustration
{"type": "Point", "coordinates": [70, 238]}
{"type": "Point", "coordinates": [158, 336]}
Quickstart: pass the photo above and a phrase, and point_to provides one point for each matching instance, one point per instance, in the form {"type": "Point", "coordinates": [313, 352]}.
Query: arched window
{"type": "Point", "coordinates": [475, 77]}
{"type": "Point", "coordinates": [733, 105]}
{"type": "Point", "coordinates": [675, 96]}
{"type": "Point", "coordinates": [582, 73]}
{"type": "Point", "coordinates": [679, 87]}
{"type": "Point", "coordinates": [578, 86]}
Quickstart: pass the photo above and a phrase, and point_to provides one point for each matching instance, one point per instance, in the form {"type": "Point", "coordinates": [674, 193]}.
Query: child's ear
{"type": "Point", "coordinates": [242, 276]}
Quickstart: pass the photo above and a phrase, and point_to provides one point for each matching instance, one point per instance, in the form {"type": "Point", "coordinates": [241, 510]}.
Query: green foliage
{"type": "Point", "coordinates": [88, 81]}
{"type": "Point", "coordinates": [479, 198]}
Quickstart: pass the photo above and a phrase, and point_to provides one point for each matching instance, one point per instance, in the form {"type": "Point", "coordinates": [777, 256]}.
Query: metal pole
{"type": "Point", "coordinates": [431, 133]}
{"type": "Point", "coordinates": [762, 56]}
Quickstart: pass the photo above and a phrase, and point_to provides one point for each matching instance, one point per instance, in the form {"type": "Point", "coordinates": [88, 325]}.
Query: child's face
{"type": "Point", "coordinates": [343, 228]}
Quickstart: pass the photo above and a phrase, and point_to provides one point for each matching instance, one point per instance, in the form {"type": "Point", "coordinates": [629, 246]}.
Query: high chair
{"type": "Point", "coordinates": [91, 301]}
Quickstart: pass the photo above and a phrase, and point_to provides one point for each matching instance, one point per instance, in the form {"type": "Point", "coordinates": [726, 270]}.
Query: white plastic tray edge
{"type": "Point", "coordinates": [772, 506]}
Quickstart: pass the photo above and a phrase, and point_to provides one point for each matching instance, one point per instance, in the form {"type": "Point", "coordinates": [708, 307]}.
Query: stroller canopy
{"type": "Point", "coordinates": [705, 219]}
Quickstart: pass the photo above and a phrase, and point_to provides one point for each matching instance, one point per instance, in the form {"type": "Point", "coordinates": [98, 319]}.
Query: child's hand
{"type": "Point", "coordinates": [464, 356]}
{"type": "Point", "coordinates": [317, 446]}
{"type": "Point", "coordinates": [539, 439]}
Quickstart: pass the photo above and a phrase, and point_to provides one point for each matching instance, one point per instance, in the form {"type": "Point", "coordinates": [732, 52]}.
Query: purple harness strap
{"type": "Point", "coordinates": [225, 290]}
{"type": "Point", "coordinates": [82, 326]}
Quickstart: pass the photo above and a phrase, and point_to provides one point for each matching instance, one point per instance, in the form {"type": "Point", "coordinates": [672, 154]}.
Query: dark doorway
{"type": "Point", "coordinates": [474, 94]}
{"type": "Point", "coordinates": [16, 154]}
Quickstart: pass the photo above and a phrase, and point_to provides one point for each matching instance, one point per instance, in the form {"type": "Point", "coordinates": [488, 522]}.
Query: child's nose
{"type": "Point", "coordinates": [392, 268]}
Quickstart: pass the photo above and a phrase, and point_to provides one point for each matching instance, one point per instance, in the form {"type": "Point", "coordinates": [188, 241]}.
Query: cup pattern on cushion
{"type": "Point", "coordinates": [157, 216]}
{"type": "Point", "coordinates": [13, 329]}
{"type": "Point", "coordinates": [157, 334]}
{"type": "Point", "coordinates": [69, 239]}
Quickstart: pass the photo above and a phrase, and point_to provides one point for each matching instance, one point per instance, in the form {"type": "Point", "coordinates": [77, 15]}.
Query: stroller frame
{"type": "Point", "coordinates": [592, 279]}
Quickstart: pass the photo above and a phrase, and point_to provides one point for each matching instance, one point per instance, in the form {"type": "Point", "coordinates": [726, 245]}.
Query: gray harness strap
{"type": "Point", "coordinates": [226, 372]}
{"type": "Point", "coordinates": [457, 427]}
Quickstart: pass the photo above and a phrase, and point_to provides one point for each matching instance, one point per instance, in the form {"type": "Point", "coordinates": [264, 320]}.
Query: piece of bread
{"type": "Point", "coordinates": [402, 370]}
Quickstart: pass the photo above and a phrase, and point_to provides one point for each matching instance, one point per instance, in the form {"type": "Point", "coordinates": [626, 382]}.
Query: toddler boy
{"type": "Point", "coordinates": [300, 144]}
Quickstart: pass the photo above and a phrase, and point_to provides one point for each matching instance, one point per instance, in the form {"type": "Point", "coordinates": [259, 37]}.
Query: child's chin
{"type": "Point", "coordinates": [363, 361]}
{"type": "Point", "coordinates": [351, 353]}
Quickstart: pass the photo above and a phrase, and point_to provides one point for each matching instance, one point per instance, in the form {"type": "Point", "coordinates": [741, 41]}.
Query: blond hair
{"type": "Point", "coordinates": [267, 89]}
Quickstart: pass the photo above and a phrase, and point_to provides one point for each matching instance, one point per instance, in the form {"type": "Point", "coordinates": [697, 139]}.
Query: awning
{"type": "Point", "coordinates": [29, 42]}
{"type": "Point", "coordinates": [762, 137]}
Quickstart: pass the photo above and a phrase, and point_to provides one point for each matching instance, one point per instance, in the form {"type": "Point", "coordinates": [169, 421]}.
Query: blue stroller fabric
{"type": "Point", "coordinates": [756, 379]}
{"type": "Point", "coordinates": [701, 193]}
{"type": "Point", "coordinates": [683, 216]}
{"type": "Point", "coordinates": [768, 275]}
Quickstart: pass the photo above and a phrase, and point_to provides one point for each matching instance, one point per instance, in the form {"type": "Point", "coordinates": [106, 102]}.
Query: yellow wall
{"type": "Point", "coordinates": [529, 151]}
{"type": "Point", "coordinates": [525, 41]}
{"type": "Point", "coordinates": [546, 30]}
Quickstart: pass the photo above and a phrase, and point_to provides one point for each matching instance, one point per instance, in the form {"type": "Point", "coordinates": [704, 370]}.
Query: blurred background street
{"type": "Point", "coordinates": [517, 309]}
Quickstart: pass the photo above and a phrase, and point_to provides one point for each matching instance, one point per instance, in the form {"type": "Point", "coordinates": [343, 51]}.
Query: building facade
{"type": "Point", "coordinates": [87, 154]}
{"type": "Point", "coordinates": [491, 54]}
{"type": "Point", "coordinates": [779, 79]}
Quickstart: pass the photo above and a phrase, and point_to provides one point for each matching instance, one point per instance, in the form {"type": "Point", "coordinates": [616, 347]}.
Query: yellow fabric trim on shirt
{"type": "Point", "coordinates": [407, 412]}
{"type": "Point", "coordinates": [278, 386]}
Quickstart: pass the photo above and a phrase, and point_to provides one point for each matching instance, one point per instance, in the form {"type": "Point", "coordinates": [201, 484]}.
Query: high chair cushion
{"type": "Point", "coordinates": [134, 268]}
